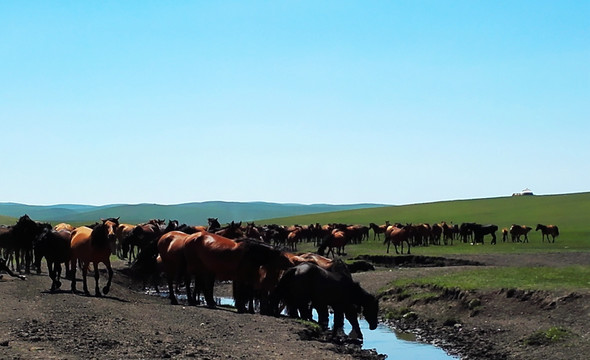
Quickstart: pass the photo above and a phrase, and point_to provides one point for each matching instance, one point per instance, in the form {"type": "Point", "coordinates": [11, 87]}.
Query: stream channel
{"type": "Point", "coordinates": [384, 339]}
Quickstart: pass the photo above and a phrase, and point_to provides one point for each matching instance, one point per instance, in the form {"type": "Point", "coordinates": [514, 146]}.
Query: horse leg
{"type": "Point", "coordinates": [171, 295]}
{"type": "Point", "coordinates": [352, 317]}
{"type": "Point", "coordinates": [84, 281]}
{"type": "Point", "coordinates": [57, 272]}
{"type": "Point", "coordinates": [96, 277]}
{"type": "Point", "coordinates": [208, 283]}
{"type": "Point", "coordinates": [408, 247]}
{"type": "Point", "coordinates": [73, 274]}
{"type": "Point", "coordinates": [322, 315]}
{"type": "Point", "coordinates": [493, 238]}
{"type": "Point", "coordinates": [338, 321]}
{"type": "Point", "coordinates": [107, 288]}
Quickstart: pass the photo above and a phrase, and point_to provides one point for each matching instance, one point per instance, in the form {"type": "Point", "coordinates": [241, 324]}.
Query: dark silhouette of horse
{"type": "Point", "coordinates": [54, 246]}
{"type": "Point", "coordinates": [516, 231]}
{"type": "Point", "coordinates": [479, 231]}
{"type": "Point", "coordinates": [397, 235]}
{"type": "Point", "coordinates": [378, 229]}
{"type": "Point", "coordinates": [24, 232]}
{"type": "Point", "coordinates": [308, 286]}
{"type": "Point", "coordinates": [123, 232]}
{"type": "Point", "coordinates": [336, 239]}
{"type": "Point", "coordinates": [547, 230]}
{"type": "Point", "coordinates": [232, 231]}
{"type": "Point", "coordinates": [213, 224]}
{"type": "Point", "coordinates": [93, 245]}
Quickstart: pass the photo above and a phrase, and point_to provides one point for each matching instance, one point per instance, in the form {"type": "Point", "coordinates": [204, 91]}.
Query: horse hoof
{"type": "Point", "coordinates": [105, 290]}
{"type": "Point", "coordinates": [57, 285]}
{"type": "Point", "coordinates": [173, 302]}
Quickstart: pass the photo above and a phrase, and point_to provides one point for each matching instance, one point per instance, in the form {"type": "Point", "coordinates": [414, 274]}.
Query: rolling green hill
{"type": "Point", "coordinates": [190, 213]}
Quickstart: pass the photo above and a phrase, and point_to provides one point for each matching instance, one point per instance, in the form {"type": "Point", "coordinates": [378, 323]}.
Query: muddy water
{"type": "Point", "coordinates": [383, 339]}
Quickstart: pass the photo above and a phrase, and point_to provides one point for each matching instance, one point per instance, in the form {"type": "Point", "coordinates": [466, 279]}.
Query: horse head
{"type": "Point", "coordinates": [370, 306]}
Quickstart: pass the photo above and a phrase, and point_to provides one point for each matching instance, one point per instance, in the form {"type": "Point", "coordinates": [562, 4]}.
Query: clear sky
{"type": "Point", "coordinates": [337, 102]}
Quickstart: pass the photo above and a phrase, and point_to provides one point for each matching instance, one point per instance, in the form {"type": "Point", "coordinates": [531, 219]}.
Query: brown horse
{"type": "Point", "coordinates": [397, 236]}
{"type": "Point", "coordinates": [516, 231]}
{"type": "Point", "coordinates": [93, 246]}
{"type": "Point", "coordinates": [504, 234]}
{"type": "Point", "coordinates": [171, 259]}
{"type": "Point", "coordinates": [547, 230]}
{"type": "Point", "coordinates": [123, 231]}
{"type": "Point", "coordinates": [212, 257]}
{"type": "Point", "coordinates": [336, 239]}
{"type": "Point", "coordinates": [378, 229]}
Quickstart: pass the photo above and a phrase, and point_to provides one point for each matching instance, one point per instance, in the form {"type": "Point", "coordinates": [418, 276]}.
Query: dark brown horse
{"type": "Point", "coordinates": [24, 233]}
{"type": "Point", "coordinates": [54, 246]}
{"type": "Point", "coordinates": [547, 230]}
{"type": "Point", "coordinates": [516, 231]}
{"type": "Point", "coordinates": [378, 229]}
{"type": "Point", "coordinates": [93, 246]}
{"type": "Point", "coordinates": [308, 284]}
{"type": "Point", "coordinates": [397, 236]}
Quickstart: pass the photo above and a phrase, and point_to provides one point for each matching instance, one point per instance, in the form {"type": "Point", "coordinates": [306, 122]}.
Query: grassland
{"type": "Point", "coordinates": [570, 212]}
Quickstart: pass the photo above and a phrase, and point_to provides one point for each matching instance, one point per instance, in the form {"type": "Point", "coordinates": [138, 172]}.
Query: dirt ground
{"type": "Point", "coordinates": [129, 324]}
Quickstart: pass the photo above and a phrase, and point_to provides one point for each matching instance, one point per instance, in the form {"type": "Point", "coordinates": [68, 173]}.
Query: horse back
{"type": "Point", "coordinates": [82, 248]}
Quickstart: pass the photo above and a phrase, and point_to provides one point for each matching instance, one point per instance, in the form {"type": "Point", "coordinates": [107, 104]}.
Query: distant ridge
{"type": "Point", "coordinates": [190, 213]}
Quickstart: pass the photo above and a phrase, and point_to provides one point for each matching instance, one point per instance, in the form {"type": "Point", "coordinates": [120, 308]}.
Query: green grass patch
{"type": "Point", "coordinates": [546, 337]}
{"type": "Point", "coordinates": [526, 278]}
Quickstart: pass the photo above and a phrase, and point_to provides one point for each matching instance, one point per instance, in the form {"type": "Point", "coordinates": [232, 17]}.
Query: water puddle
{"type": "Point", "coordinates": [384, 339]}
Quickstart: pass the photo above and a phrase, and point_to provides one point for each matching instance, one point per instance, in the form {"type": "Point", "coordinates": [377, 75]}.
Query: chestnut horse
{"type": "Point", "coordinates": [93, 246]}
{"type": "Point", "coordinates": [211, 257]}
{"type": "Point", "coordinates": [547, 230]}
{"type": "Point", "coordinates": [336, 239]}
{"type": "Point", "coordinates": [171, 259]}
{"type": "Point", "coordinates": [397, 236]}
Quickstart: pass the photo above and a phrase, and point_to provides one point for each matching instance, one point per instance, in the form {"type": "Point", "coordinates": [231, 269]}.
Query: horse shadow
{"type": "Point", "coordinates": [81, 293]}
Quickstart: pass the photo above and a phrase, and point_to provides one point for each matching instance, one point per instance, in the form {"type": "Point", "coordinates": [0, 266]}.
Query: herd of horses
{"type": "Point", "coordinates": [261, 261]}
{"type": "Point", "coordinates": [261, 268]}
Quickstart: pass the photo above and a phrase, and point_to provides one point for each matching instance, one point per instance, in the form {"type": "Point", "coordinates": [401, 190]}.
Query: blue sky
{"type": "Point", "coordinates": [292, 101]}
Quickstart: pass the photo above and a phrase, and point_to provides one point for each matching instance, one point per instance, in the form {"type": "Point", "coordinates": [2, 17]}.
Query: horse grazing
{"type": "Point", "coordinates": [479, 231]}
{"type": "Point", "coordinates": [547, 230]}
{"type": "Point", "coordinates": [308, 284]}
{"type": "Point", "coordinates": [55, 247]}
{"type": "Point", "coordinates": [516, 231]}
{"type": "Point", "coordinates": [336, 239]}
{"type": "Point", "coordinates": [93, 246]}
{"type": "Point", "coordinates": [397, 236]}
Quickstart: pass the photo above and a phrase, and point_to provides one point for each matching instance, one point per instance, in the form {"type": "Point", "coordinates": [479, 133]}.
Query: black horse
{"type": "Point", "coordinates": [24, 233]}
{"type": "Point", "coordinates": [55, 247]}
{"type": "Point", "coordinates": [480, 230]}
{"type": "Point", "coordinates": [308, 284]}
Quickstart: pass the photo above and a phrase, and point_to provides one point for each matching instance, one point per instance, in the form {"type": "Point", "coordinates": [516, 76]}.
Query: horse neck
{"type": "Point", "coordinates": [98, 237]}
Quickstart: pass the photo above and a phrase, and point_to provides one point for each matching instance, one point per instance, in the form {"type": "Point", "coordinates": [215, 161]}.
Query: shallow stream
{"type": "Point", "coordinates": [383, 339]}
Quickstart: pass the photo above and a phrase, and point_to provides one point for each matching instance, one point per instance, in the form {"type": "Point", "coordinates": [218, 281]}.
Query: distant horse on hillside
{"type": "Point", "coordinates": [547, 230]}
